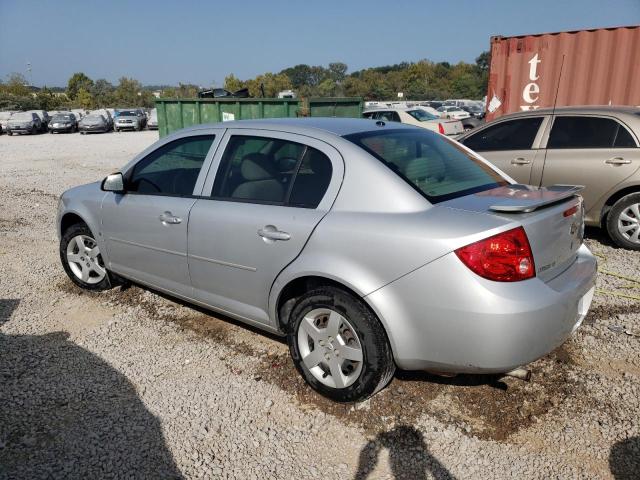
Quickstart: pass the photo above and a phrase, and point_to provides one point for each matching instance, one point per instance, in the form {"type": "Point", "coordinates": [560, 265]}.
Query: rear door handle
{"type": "Point", "coordinates": [520, 161]}
{"type": "Point", "coordinates": [167, 218]}
{"type": "Point", "coordinates": [618, 161]}
{"type": "Point", "coordinates": [271, 233]}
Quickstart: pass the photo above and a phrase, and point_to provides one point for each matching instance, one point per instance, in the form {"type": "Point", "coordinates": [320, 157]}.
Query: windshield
{"type": "Point", "coordinates": [94, 118]}
{"type": "Point", "coordinates": [22, 116]}
{"type": "Point", "coordinates": [435, 166]}
{"type": "Point", "coordinates": [421, 115]}
{"type": "Point", "coordinates": [61, 118]}
{"type": "Point", "coordinates": [126, 113]}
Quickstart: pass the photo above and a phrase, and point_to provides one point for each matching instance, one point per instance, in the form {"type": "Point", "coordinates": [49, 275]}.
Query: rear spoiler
{"type": "Point", "coordinates": [526, 198]}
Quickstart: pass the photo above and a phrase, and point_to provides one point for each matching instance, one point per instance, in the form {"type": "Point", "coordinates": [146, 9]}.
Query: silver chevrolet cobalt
{"type": "Point", "coordinates": [370, 245]}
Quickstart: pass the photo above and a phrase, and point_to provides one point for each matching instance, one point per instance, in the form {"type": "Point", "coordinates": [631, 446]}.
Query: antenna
{"type": "Point", "coordinates": [553, 118]}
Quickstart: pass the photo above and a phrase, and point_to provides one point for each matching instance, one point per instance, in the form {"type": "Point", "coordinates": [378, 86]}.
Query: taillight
{"type": "Point", "coordinates": [505, 257]}
{"type": "Point", "coordinates": [440, 128]}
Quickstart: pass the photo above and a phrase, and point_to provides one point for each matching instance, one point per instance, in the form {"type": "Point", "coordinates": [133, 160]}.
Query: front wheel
{"type": "Point", "coordinates": [339, 346]}
{"type": "Point", "coordinates": [623, 222]}
{"type": "Point", "coordinates": [82, 260]}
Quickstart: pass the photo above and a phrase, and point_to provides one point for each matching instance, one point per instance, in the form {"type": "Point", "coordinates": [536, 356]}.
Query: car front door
{"type": "Point", "coordinates": [511, 145]}
{"type": "Point", "coordinates": [269, 192]}
{"type": "Point", "coordinates": [145, 229]}
{"type": "Point", "coordinates": [594, 151]}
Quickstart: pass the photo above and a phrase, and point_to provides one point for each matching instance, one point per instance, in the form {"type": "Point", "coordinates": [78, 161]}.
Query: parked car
{"type": "Point", "coordinates": [427, 108]}
{"type": "Point", "coordinates": [79, 113]}
{"type": "Point", "coordinates": [24, 122]}
{"type": "Point", "coordinates": [4, 120]}
{"type": "Point", "coordinates": [592, 146]}
{"type": "Point", "coordinates": [94, 124]}
{"type": "Point", "coordinates": [415, 116]}
{"type": "Point", "coordinates": [451, 111]}
{"type": "Point", "coordinates": [106, 114]}
{"type": "Point", "coordinates": [152, 123]}
{"type": "Point", "coordinates": [128, 120]}
{"type": "Point", "coordinates": [475, 110]}
{"type": "Point", "coordinates": [43, 115]}
{"type": "Point", "coordinates": [142, 116]}
{"type": "Point", "coordinates": [366, 245]}
{"type": "Point", "coordinates": [63, 122]}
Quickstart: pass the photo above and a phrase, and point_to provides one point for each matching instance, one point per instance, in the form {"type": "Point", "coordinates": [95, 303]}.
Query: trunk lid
{"type": "Point", "coordinates": [552, 217]}
{"type": "Point", "coordinates": [452, 127]}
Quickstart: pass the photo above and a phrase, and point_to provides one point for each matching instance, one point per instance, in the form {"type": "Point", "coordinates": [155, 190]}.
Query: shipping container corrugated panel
{"type": "Point", "coordinates": [586, 67]}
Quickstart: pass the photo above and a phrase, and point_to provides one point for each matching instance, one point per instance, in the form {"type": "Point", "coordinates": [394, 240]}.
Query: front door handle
{"type": "Point", "coordinates": [618, 161]}
{"type": "Point", "coordinates": [520, 161]}
{"type": "Point", "coordinates": [167, 218]}
{"type": "Point", "coordinates": [270, 234]}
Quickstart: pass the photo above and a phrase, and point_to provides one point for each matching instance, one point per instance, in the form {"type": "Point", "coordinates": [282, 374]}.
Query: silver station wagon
{"type": "Point", "coordinates": [370, 245]}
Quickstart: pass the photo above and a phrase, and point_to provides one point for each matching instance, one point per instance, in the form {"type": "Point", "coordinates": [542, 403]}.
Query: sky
{"type": "Point", "coordinates": [166, 42]}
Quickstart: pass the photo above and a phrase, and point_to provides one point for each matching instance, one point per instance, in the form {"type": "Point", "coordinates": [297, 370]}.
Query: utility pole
{"type": "Point", "coordinates": [29, 75]}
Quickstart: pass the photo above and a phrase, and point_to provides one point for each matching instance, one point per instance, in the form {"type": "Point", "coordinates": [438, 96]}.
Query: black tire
{"type": "Point", "coordinates": [378, 365]}
{"type": "Point", "coordinates": [9, 132]}
{"type": "Point", "coordinates": [612, 221]}
{"type": "Point", "coordinates": [71, 232]}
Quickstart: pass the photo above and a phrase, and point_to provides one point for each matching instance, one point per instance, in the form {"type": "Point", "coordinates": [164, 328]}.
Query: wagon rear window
{"type": "Point", "coordinates": [434, 166]}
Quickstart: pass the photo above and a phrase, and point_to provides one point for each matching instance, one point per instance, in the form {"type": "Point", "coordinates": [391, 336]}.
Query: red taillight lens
{"type": "Point", "coordinates": [440, 128]}
{"type": "Point", "coordinates": [505, 257]}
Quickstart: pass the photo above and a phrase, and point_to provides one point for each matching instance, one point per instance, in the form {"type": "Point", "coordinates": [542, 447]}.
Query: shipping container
{"type": "Point", "coordinates": [585, 67]}
{"type": "Point", "coordinates": [175, 114]}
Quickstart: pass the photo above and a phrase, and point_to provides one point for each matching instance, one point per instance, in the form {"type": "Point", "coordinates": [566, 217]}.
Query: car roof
{"type": "Point", "coordinates": [586, 109]}
{"type": "Point", "coordinates": [332, 125]}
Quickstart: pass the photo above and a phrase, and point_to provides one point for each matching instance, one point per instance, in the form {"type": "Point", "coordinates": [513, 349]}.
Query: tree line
{"type": "Point", "coordinates": [422, 80]}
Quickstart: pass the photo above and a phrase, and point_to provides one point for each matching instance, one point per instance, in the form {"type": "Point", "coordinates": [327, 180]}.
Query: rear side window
{"type": "Point", "coordinates": [510, 135]}
{"type": "Point", "coordinates": [434, 166]}
{"type": "Point", "coordinates": [272, 171]}
{"type": "Point", "coordinates": [172, 169]}
{"type": "Point", "coordinates": [588, 132]}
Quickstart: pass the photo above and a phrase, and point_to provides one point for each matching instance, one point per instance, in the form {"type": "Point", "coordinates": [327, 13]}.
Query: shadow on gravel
{"type": "Point", "coordinates": [65, 413]}
{"type": "Point", "coordinates": [624, 459]}
{"type": "Point", "coordinates": [409, 457]}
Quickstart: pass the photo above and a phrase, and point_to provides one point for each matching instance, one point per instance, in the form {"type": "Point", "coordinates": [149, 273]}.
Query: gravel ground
{"type": "Point", "coordinates": [130, 384]}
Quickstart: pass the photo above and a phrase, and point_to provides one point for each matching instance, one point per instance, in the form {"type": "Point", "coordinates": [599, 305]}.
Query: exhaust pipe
{"type": "Point", "coordinates": [521, 373]}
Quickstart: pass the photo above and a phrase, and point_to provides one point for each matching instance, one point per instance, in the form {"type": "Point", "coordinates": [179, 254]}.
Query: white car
{"type": "Point", "coordinates": [453, 112]}
{"type": "Point", "coordinates": [416, 116]}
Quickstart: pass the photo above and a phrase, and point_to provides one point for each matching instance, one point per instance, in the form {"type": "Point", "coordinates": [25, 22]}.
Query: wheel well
{"type": "Point", "coordinates": [68, 220]}
{"type": "Point", "coordinates": [614, 198]}
{"type": "Point", "coordinates": [296, 288]}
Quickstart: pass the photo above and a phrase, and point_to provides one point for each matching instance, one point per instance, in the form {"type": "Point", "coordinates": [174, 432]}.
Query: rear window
{"type": "Point", "coordinates": [434, 166]}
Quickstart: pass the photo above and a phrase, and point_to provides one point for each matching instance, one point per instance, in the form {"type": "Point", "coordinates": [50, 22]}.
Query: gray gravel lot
{"type": "Point", "coordinates": [130, 384]}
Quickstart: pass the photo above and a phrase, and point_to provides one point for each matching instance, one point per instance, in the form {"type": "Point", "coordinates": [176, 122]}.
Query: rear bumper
{"type": "Point", "coordinates": [442, 317]}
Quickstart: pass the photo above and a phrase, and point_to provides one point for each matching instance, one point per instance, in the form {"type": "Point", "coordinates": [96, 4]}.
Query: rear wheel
{"type": "Point", "coordinates": [623, 222]}
{"type": "Point", "coordinates": [339, 346]}
{"type": "Point", "coordinates": [82, 260]}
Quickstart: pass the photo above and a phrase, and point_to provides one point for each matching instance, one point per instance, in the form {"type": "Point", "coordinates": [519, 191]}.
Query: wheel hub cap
{"type": "Point", "coordinates": [84, 259]}
{"type": "Point", "coordinates": [330, 348]}
{"type": "Point", "coordinates": [629, 223]}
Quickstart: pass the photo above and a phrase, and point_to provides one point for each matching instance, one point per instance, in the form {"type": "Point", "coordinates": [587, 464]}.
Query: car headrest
{"type": "Point", "coordinates": [257, 166]}
{"type": "Point", "coordinates": [423, 168]}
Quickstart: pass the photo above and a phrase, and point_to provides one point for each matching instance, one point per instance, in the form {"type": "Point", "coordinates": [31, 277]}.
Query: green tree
{"type": "Point", "coordinates": [84, 99]}
{"type": "Point", "coordinates": [77, 82]}
{"type": "Point", "coordinates": [16, 85]}
{"type": "Point", "coordinates": [338, 71]}
{"type": "Point", "coordinates": [103, 93]}
{"type": "Point", "coordinates": [128, 92]}
{"type": "Point", "coordinates": [233, 83]}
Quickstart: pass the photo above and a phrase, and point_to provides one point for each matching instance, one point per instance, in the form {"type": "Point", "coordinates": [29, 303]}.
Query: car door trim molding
{"type": "Point", "coordinates": [142, 245]}
{"type": "Point", "coordinates": [223, 263]}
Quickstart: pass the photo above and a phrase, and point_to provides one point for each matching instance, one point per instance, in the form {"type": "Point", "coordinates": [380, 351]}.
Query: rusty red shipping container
{"type": "Point", "coordinates": [600, 67]}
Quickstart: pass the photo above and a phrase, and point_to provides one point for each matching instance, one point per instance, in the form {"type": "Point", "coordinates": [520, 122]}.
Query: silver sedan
{"type": "Point", "coordinates": [368, 245]}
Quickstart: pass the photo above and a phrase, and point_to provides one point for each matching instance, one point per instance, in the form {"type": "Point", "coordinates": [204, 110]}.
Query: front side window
{"type": "Point", "coordinates": [510, 135]}
{"type": "Point", "coordinates": [434, 166]}
{"type": "Point", "coordinates": [421, 115]}
{"type": "Point", "coordinates": [272, 171]}
{"type": "Point", "coordinates": [172, 169]}
{"type": "Point", "coordinates": [588, 132]}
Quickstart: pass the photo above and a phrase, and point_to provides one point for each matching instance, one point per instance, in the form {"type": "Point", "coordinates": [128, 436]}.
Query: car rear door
{"type": "Point", "coordinates": [511, 145]}
{"type": "Point", "coordinates": [269, 191]}
{"type": "Point", "coordinates": [595, 151]}
{"type": "Point", "coordinates": [145, 229]}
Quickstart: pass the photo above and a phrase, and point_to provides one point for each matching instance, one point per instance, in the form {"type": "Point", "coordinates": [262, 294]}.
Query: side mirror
{"type": "Point", "coordinates": [113, 183]}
